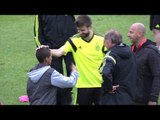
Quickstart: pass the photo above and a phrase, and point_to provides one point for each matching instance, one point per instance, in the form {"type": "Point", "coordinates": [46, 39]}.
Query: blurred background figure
{"type": "Point", "coordinates": [155, 27]}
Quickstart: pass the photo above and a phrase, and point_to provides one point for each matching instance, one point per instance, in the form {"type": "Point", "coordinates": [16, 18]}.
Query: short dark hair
{"type": "Point", "coordinates": [83, 20]}
{"type": "Point", "coordinates": [114, 36]}
{"type": "Point", "coordinates": [42, 53]}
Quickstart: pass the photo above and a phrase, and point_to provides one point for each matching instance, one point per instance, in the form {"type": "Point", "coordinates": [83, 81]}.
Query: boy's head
{"type": "Point", "coordinates": [44, 55]}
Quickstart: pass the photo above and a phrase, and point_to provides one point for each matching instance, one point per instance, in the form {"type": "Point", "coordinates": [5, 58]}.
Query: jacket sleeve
{"type": "Point", "coordinates": [107, 74]}
{"type": "Point", "coordinates": [154, 64]}
{"type": "Point", "coordinates": [61, 81]}
{"type": "Point", "coordinates": [38, 31]}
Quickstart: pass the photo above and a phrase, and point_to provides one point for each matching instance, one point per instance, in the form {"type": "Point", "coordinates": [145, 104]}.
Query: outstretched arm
{"type": "Point", "coordinates": [58, 52]}
{"type": "Point", "coordinates": [55, 52]}
{"type": "Point", "coordinates": [61, 81]}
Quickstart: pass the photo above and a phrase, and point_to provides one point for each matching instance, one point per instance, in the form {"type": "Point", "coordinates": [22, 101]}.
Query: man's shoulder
{"type": "Point", "coordinates": [152, 48]}
{"type": "Point", "coordinates": [149, 42]}
{"type": "Point", "coordinates": [75, 36]}
{"type": "Point", "coordinates": [99, 35]}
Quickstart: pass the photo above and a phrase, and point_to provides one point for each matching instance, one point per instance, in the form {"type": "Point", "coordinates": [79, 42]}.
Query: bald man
{"type": "Point", "coordinates": [148, 65]}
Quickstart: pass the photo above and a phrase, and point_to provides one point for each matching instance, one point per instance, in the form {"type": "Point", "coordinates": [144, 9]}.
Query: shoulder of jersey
{"type": "Point", "coordinates": [98, 34]}
{"type": "Point", "coordinates": [75, 36]}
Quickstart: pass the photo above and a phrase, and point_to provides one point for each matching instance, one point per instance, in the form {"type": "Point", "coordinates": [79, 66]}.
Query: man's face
{"type": "Point", "coordinates": [84, 31]}
{"type": "Point", "coordinates": [133, 34]}
{"type": "Point", "coordinates": [156, 34]}
{"type": "Point", "coordinates": [108, 44]}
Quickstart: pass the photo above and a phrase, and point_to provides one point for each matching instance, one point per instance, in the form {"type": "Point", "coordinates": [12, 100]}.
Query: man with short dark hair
{"type": "Point", "coordinates": [119, 72]}
{"type": "Point", "coordinates": [88, 52]}
{"type": "Point", "coordinates": [43, 80]}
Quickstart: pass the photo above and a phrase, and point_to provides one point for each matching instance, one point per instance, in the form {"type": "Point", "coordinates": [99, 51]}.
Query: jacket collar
{"type": "Point", "coordinates": [135, 49]}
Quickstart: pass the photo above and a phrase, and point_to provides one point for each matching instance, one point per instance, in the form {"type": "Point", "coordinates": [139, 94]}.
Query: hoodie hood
{"type": "Point", "coordinates": [36, 74]}
{"type": "Point", "coordinates": [122, 50]}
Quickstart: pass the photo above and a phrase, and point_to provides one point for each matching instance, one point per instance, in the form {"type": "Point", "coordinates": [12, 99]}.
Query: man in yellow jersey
{"type": "Point", "coordinates": [88, 52]}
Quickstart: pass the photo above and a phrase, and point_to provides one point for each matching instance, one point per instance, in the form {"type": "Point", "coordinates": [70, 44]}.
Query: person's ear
{"type": "Point", "coordinates": [110, 42]}
{"type": "Point", "coordinates": [139, 34]}
{"type": "Point", "coordinates": [46, 60]}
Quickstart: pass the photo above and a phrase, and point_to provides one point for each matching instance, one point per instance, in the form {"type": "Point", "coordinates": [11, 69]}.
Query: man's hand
{"type": "Point", "coordinates": [152, 103]}
{"type": "Point", "coordinates": [42, 46]}
{"type": "Point", "coordinates": [114, 88]}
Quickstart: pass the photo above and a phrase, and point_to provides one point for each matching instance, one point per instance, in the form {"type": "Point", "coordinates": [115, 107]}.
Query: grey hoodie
{"type": "Point", "coordinates": [57, 79]}
{"type": "Point", "coordinates": [43, 82]}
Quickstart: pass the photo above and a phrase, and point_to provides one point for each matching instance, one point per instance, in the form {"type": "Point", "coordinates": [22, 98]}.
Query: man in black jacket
{"type": "Point", "coordinates": [118, 71]}
{"type": "Point", "coordinates": [54, 31]}
{"type": "Point", "coordinates": [148, 64]}
{"type": "Point", "coordinates": [155, 27]}
{"type": "Point", "coordinates": [154, 22]}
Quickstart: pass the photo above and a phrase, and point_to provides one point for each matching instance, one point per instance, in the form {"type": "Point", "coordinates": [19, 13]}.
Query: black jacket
{"type": "Point", "coordinates": [54, 30]}
{"type": "Point", "coordinates": [154, 22]}
{"type": "Point", "coordinates": [120, 69]}
{"type": "Point", "coordinates": [148, 65]}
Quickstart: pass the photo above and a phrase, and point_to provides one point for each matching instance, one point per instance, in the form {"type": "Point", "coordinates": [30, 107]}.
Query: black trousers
{"type": "Point", "coordinates": [118, 98]}
{"type": "Point", "coordinates": [64, 95]}
{"type": "Point", "coordinates": [88, 96]}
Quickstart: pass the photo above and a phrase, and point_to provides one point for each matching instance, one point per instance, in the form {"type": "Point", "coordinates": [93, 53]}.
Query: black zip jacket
{"type": "Point", "coordinates": [54, 30]}
{"type": "Point", "coordinates": [120, 69]}
{"type": "Point", "coordinates": [148, 64]}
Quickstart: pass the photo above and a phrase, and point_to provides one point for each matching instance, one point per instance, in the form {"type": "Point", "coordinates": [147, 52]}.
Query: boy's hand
{"type": "Point", "coordinates": [73, 67]}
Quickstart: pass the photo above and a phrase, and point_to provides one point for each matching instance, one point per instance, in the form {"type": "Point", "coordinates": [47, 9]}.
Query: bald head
{"type": "Point", "coordinates": [139, 27]}
{"type": "Point", "coordinates": [136, 33]}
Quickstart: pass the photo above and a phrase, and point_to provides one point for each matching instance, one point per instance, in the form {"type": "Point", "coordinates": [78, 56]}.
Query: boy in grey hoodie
{"type": "Point", "coordinates": [44, 80]}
